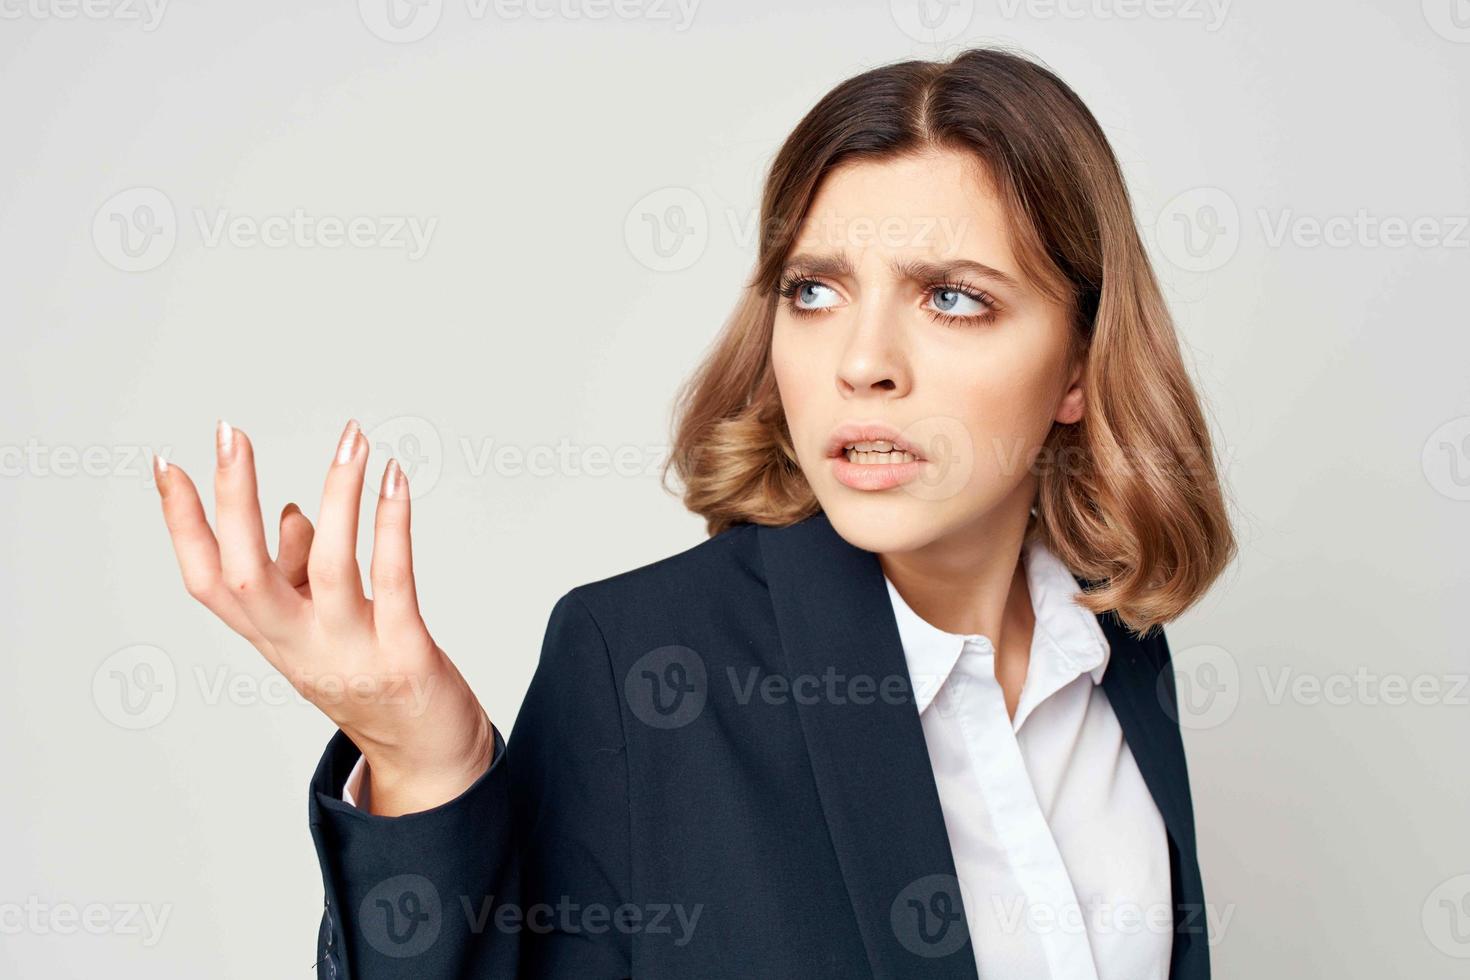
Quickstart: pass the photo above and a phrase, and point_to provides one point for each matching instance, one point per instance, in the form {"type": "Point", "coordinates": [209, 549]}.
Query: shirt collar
{"type": "Point", "coordinates": [1068, 640]}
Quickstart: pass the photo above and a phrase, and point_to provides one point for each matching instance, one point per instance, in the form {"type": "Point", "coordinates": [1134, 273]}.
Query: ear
{"type": "Point", "coordinates": [1070, 408]}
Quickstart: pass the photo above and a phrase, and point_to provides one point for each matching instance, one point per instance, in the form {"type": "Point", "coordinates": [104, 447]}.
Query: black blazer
{"type": "Point", "coordinates": [718, 772]}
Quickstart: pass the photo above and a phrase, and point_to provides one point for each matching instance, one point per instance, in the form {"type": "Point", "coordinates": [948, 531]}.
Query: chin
{"type": "Point", "coordinates": [888, 522]}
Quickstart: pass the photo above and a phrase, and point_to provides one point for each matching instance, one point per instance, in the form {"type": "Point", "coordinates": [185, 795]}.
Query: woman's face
{"type": "Point", "coordinates": [904, 307]}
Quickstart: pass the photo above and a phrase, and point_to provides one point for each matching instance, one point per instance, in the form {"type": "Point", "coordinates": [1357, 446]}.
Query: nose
{"type": "Point", "coordinates": [873, 361]}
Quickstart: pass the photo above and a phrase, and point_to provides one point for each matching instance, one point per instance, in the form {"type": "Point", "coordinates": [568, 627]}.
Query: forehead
{"type": "Point", "coordinates": [940, 204]}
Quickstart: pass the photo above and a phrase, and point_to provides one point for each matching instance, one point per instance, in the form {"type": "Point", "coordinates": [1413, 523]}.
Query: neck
{"type": "Point", "coordinates": [972, 580]}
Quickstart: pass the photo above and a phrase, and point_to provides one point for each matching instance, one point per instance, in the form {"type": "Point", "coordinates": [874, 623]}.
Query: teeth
{"type": "Point", "coordinates": [876, 458]}
{"type": "Point", "coordinates": [876, 452]}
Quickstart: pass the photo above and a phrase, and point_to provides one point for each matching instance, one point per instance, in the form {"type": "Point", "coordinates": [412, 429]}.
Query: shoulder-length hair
{"type": "Point", "coordinates": [1135, 506]}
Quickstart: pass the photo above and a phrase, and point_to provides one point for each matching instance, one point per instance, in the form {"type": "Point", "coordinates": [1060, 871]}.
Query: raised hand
{"type": "Point", "coordinates": [369, 664]}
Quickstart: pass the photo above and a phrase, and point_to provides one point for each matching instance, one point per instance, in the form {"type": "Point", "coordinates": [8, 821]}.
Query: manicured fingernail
{"type": "Point", "coordinates": [392, 479]}
{"type": "Point", "coordinates": [289, 509]}
{"type": "Point", "coordinates": [224, 440]}
{"type": "Point", "coordinates": [348, 445]}
{"type": "Point", "coordinates": [160, 473]}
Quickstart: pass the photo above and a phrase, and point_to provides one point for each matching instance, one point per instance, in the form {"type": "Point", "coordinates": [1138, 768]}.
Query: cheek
{"type": "Point", "coordinates": [780, 351]}
{"type": "Point", "coordinates": [1006, 404]}
{"type": "Point", "coordinates": [795, 373]}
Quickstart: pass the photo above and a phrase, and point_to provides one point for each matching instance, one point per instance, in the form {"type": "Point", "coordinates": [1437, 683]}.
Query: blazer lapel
{"type": "Point", "coordinates": [1139, 683]}
{"type": "Point", "coordinates": [867, 751]}
{"type": "Point", "coordinates": [1153, 737]}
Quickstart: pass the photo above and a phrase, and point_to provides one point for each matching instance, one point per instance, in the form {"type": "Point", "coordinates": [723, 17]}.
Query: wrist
{"type": "Point", "coordinates": [395, 786]}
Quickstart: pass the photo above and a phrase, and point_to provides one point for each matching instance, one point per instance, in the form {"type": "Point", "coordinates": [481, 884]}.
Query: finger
{"type": "Point", "coordinates": [336, 582]}
{"type": "Point", "coordinates": [395, 601]}
{"type": "Point", "coordinates": [198, 552]}
{"type": "Point", "coordinates": [248, 572]}
{"type": "Point", "coordinates": [294, 545]}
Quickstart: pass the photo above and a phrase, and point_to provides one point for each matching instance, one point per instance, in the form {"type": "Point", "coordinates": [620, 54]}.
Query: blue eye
{"type": "Point", "coordinates": [956, 305]}
{"type": "Point", "coordinates": [808, 294]}
{"type": "Point", "coordinates": [952, 301]}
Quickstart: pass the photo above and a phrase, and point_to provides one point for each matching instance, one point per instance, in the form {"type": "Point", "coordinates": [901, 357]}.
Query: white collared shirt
{"type": "Point", "coordinates": [1061, 854]}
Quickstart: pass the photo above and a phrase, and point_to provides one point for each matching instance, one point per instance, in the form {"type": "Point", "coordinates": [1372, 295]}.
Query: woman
{"type": "Point", "coordinates": [907, 712]}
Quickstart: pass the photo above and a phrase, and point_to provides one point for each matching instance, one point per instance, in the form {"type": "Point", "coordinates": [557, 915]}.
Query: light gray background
{"type": "Point", "coordinates": [545, 312]}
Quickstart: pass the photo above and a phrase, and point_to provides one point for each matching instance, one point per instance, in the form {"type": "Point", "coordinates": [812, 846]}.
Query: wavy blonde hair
{"type": "Point", "coordinates": [1137, 510]}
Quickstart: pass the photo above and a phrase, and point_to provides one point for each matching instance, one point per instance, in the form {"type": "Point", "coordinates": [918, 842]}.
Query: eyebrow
{"type": "Point", "coordinates": [918, 270]}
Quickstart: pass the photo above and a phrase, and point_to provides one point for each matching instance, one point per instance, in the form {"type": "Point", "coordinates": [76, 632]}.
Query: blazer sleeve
{"type": "Point", "coordinates": [523, 874]}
